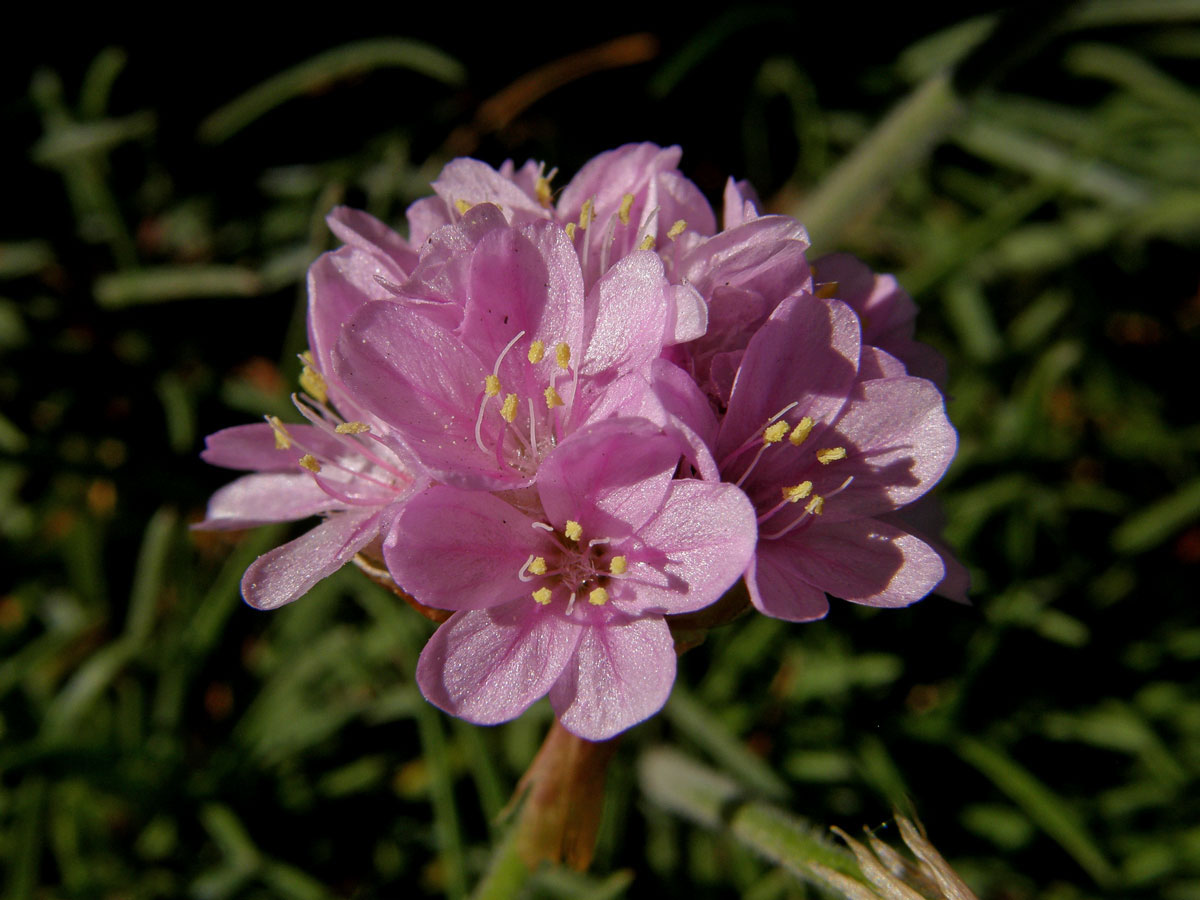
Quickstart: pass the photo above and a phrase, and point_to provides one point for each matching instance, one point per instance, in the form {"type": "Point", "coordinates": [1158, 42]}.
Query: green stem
{"type": "Point", "coordinates": [684, 787]}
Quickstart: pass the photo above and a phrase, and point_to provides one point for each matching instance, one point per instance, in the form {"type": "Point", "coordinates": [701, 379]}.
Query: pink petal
{"type": "Point", "coordinates": [865, 561]}
{"type": "Point", "coordinates": [421, 380]}
{"type": "Point", "coordinates": [455, 549]}
{"type": "Point", "coordinates": [627, 313]}
{"type": "Point", "coordinates": [339, 284]}
{"type": "Point", "coordinates": [488, 666]}
{"type": "Point", "coordinates": [269, 497]}
{"type": "Point", "coordinates": [899, 444]}
{"type": "Point", "coordinates": [252, 447]}
{"type": "Point", "coordinates": [741, 204]}
{"type": "Point", "coordinates": [777, 590]}
{"type": "Point", "coordinates": [362, 230]}
{"type": "Point", "coordinates": [621, 674]}
{"type": "Point", "coordinates": [807, 351]}
{"type": "Point", "coordinates": [527, 280]}
{"type": "Point", "coordinates": [606, 178]}
{"type": "Point", "coordinates": [475, 182]}
{"type": "Point", "coordinates": [688, 314]}
{"type": "Point", "coordinates": [695, 549]}
{"type": "Point", "coordinates": [288, 572]}
{"type": "Point", "coordinates": [610, 477]}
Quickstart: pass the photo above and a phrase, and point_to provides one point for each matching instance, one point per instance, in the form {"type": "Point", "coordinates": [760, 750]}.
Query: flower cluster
{"type": "Point", "coordinates": [564, 420]}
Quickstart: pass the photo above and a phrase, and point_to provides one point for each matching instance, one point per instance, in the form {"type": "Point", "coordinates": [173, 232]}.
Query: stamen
{"type": "Point", "coordinates": [313, 382]}
{"type": "Point", "coordinates": [773, 434]}
{"type": "Point", "coordinates": [283, 440]}
{"type": "Point", "coordinates": [537, 352]}
{"type": "Point", "coordinates": [538, 565]}
{"type": "Point", "coordinates": [793, 494]}
{"type": "Point", "coordinates": [562, 356]}
{"type": "Point", "coordinates": [504, 353]}
{"type": "Point", "coordinates": [542, 596]}
{"type": "Point", "coordinates": [544, 527]}
{"type": "Point", "coordinates": [571, 603]}
{"type": "Point", "coordinates": [815, 505]}
{"type": "Point", "coordinates": [598, 597]}
{"type": "Point", "coordinates": [677, 229]}
{"type": "Point", "coordinates": [570, 229]}
{"type": "Point", "coordinates": [310, 462]}
{"type": "Point", "coordinates": [542, 189]}
{"type": "Point", "coordinates": [491, 385]}
{"type": "Point", "coordinates": [353, 428]}
{"type": "Point", "coordinates": [596, 542]}
{"type": "Point", "coordinates": [797, 492]}
{"type": "Point", "coordinates": [462, 206]}
{"type": "Point", "coordinates": [509, 409]}
{"type": "Point", "coordinates": [573, 530]}
{"type": "Point", "coordinates": [647, 243]}
{"type": "Point", "coordinates": [525, 567]}
{"type": "Point", "coordinates": [626, 205]}
{"type": "Point", "coordinates": [532, 428]}
{"type": "Point", "coordinates": [830, 454]}
{"type": "Point", "coordinates": [585, 214]}
{"type": "Point", "coordinates": [617, 565]}
{"type": "Point", "coordinates": [802, 430]}
{"type": "Point", "coordinates": [552, 398]}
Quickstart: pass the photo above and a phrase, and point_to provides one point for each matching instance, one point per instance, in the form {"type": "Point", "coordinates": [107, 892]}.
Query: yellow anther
{"type": "Point", "coordinates": [538, 566]}
{"type": "Point", "coordinates": [815, 505]}
{"type": "Point", "coordinates": [802, 430]}
{"type": "Point", "coordinates": [626, 206]}
{"type": "Point", "coordinates": [773, 434]}
{"type": "Point", "coordinates": [570, 231]}
{"type": "Point", "coordinates": [491, 385]}
{"type": "Point", "coordinates": [353, 428]}
{"type": "Point", "coordinates": [573, 531]}
{"type": "Point", "coordinates": [617, 565]}
{"type": "Point", "coordinates": [830, 454]}
{"type": "Point", "coordinates": [542, 596]}
{"type": "Point", "coordinates": [585, 214]}
{"type": "Point", "coordinates": [542, 189]}
{"type": "Point", "coordinates": [313, 384]}
{"type": "Point", "coordinates": [598, 597]}
{"type": "Point", "coordinates": [647, 243]}
{"type": "Point", "coordinates": [462, 206]}
{"type": "Point", "coordinates": [537, 352]}
{"type": "Point", "coordinates": [797, 492]}
{"type": "Point", "coordinates": [562, 356]}
{"type": "Point", "coordinates": [552, 398]}
{"type": "Point", "coordinates": [677, 229]}
{"type": "Point", "coordinates": [283, 440]}
{"type": "Point", "coordinates": [827, 290]}
{"type": "Point", "coordinates": [310, 462]}
{"type": "Point", "coordinates": [509, 409]}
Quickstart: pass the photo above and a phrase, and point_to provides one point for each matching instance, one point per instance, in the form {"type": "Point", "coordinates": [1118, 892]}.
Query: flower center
{"type": "Point", "coordinates": [571, 569]}
{"type": "Point", "coordinates": [534, 423]}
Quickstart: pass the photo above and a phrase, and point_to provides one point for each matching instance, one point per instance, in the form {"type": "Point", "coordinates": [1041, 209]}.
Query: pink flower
{"type": "Point", "coordinates": [829, 438]}
{"type": "Point", "coordinates": [344, 466]}
{"type": "Point", "coordinates": [341, 471]}
{"type": "Point", "coordinates": [481, 369]}
{"type": "Point", "coordinates": [562, 590]}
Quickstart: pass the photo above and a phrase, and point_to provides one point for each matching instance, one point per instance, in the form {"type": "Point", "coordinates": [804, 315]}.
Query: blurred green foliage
{"type": "Point", "coordinates": [159, 739]}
